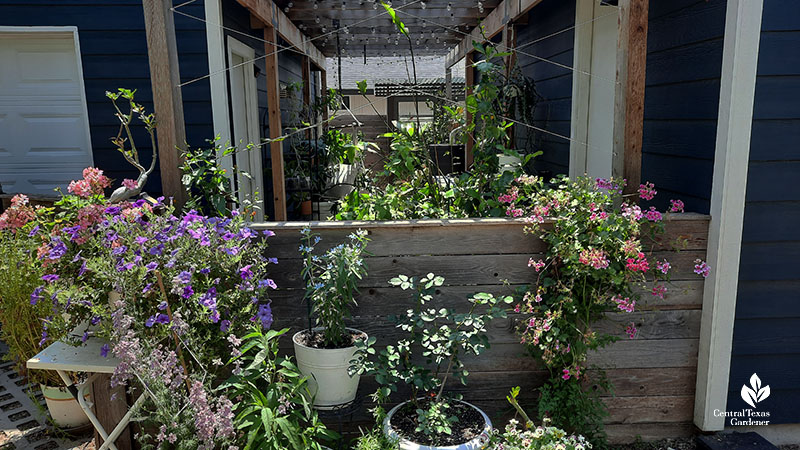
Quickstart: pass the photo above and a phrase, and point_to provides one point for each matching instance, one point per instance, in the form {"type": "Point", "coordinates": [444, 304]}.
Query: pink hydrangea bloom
{"type": "Point", "coordinates": [647, 191]}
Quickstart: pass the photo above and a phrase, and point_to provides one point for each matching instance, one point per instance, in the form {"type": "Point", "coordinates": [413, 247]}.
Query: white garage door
{"type": "Point", "coordinates": [44, 127]}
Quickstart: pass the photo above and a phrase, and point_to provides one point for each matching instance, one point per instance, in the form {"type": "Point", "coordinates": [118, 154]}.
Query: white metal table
{"type": "Point", "coordinates": [64, 358]}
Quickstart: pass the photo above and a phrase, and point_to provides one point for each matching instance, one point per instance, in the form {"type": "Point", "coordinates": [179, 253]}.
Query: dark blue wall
{"type": "Point", "coordinates": [553, 82]}
{"type": "Point", "coordinates": [114, 54]}
{"type": "Point", "coordinates": [684, 62]}
{"type": "Point", "coordinates": [766, 337]}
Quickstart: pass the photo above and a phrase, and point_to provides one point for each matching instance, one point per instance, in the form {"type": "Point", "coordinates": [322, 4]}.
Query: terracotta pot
{"type": "Point", "coordinates": [475, 443]}
{"type": "Point", "coordinates": [305, 208]}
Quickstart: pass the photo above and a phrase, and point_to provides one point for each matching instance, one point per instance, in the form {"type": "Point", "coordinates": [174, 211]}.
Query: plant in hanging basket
{"type": "Point", "coordinates": [325, 348]}
{"type": "Point", "coordinates": [424, 361]}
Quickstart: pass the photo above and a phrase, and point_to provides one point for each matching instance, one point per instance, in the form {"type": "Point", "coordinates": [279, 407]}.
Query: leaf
{"type": "Point", "coordinates": [755, 382]}
{"type": "Point", "coordinates": [362, 87]}
{"type": "Point", "coordinates": [749, 396]}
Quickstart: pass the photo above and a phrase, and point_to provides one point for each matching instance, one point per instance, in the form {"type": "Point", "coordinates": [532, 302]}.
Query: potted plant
{"type": "Point", "coordinates": [431, 419]}
{"type": "Point", "coordinates": [344, 154]}
{"type": "Point", "coordinates": [324, 350]}
{"type": "Point", "coordinates": [532, 437]}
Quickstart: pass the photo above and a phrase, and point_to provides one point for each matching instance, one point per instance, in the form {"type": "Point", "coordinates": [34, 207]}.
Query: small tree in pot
{"type": "Point", "coordinates": [325, 349]}
{"type": "Point", "coordinates": [431, 419]}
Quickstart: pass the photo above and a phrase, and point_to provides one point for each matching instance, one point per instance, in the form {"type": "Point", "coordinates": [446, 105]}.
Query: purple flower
{"type": "Point", "coordinates": [113, 210]}
{"type": "Point", "coordinates": [82, 270]}
{"type": "Point", "coordinates": [33, 231]}
{"type": "Point", "coordinates": [122, 267]}
{"type": "Point", "coordinates": [119, 250]}
{"type": "Point", "coordinates": [268, 282]}
{"type": "Point", "coordinates": [245, 273]}
{"type": "Point", "coordinates": [50, 277]}
{"type": "Point", "coordinates": [264, 314]}
{"type": "Point", "coordinates": [162, 306]}
{"type": "Point", "coordinates": [272, 260]}
{"type": "Point", "coordinates": [224, 326]}
{"type": "Point", "coordinates": [157, 318]}
{"type": "Point", "coordinates": [140, 240]}
{"type": "Point", "coordinates": [187, 292]}
{"type": "Point", "coordinates": [57, 249]}
{"type": "Point", "coordinates": [147, 288]}
{"type": "Point", "coordinates": [157, 250]}
{"type": "Point", "coordinates": [95, 320]}
{"type": "Point", "coordinates": [184, 277]}
{"type": "Point", "coordinates": [111, 236]}
{"type": "Point", "coordinates": [268, 233]}
{"type": "Point", "coordinates": [170, 264]}
{"type": "Point", "coordinates": [44, 338]}
{"type": "Point", "coordinates": [36, 295]}
{"type": "Point", "coordinates": [151, 266]}
{"type": "Point", "coordinates": [214, 316]}
{"type": "Point", "coordinates": [205, 271]}
{"type": "Point", "coordinates": [85, 337]}
{"type": "Point", "coordinates": [104, 351]}
{"type": "Point", "coordinates": [209, 299]}
{"type": "Point", "coordinates": [73, 232]}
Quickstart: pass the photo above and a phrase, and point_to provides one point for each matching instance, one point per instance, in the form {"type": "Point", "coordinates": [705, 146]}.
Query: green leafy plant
{"type": "Point", "coordinates": [273, 410]}
{"type": "Point", "coordinates": [439, 337]}
{"type": "Point", "coordinates": [332, 282]}
{"type": "Point", "coordinates": [573, 407]}
{"type": "Point", "coordinates": [532, 437]}
{"type": "Point", "coordinates": [433, 419]}
{"type": "Point", "coordinates": [205, 179]}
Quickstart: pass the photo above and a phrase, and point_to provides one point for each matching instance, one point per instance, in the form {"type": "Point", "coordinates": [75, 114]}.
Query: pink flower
{"type": "Point", "coordinates": [565, 373]}
{"type": "Point", "coordinates": [663, 266]}
{"type": "Point", "coordinates": [593, 257]}
{"type": "Point", "coordinates": [701, 268]}
{"type": "Point", "coordinates": [647, 191]}
{"type": "Point", "coordinates": [633, 212]}
{"type": "Point", "coordinates": [130, 184]}
{"type": "Point", "coordinates": [676, 206]}
{"type": "Point", "coordinates": [537, 265]}
{"type": "Point", "coordinates": [624, 304]}
{"type": "Point", "coordinates": [631, 247]}
{"type": "Point", "coordinates": [659, 290]}
{"type": "Point", "coordinates": [653, 215]}
{"type": "Point", "coordinates": [631, 330]}
{"type": "Point", "coordinates": [514, 212]}
{"type": "Point", "coordinates": [18, 214]}
{"type": "Point", "coordinates": [639, 263]}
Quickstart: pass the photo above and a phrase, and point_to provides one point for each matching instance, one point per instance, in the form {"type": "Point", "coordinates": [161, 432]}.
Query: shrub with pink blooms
{"type": "Point", "coordinates": [597, 255]}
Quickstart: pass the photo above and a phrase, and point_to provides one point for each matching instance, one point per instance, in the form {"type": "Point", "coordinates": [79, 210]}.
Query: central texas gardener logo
{"type": "Point", "coordinates": [754, 394]}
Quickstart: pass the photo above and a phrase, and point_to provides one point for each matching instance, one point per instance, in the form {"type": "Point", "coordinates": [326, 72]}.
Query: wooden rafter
{"type": "Point", "coordinates": [505, 13]}
{"type": "Point", "coordinates": [270, 15]}
{"type": "Point", "coordinates": [275, 125]}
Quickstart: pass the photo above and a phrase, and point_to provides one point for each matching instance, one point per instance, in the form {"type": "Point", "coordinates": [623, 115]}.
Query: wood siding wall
{"type": "Point", "coordinates": [654, 375]}
{"type": "Point", "coordinates": [553, 81]}
{"type": "Point", "coordinates": [684, 62]}
{"type": "Point", "coordinates": [766, 337]}
{"type": "Point", "coordinates": [114, 54]}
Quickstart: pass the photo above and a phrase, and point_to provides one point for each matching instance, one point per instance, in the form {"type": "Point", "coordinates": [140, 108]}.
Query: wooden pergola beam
{"type": "Point", "coordinates": [506, 12]}
{"type": "Point", "coordinates": [162, 52]}
{"type": "Point", "coordinates": [469, 81]}
{"type": "Point", "coordinates": [271, 15]}
{"type": "Point", "coordinates": [275, 125]}
{"type": "Point", "coordinates": [629, 93]}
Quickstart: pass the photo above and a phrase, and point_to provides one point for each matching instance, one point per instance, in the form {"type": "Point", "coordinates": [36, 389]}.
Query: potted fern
{"type": "Point", "coordinates": [324, 350]}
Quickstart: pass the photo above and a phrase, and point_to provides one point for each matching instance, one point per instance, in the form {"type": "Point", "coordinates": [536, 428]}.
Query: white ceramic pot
{"type": "Point", "coordinates": [64, 409]}
{"type": "Point", "coordinates": [326, 369]}
{"type": "Point", "coordinates": [476, 443]}
{"type": "Point", "coordinates": [343, 180]}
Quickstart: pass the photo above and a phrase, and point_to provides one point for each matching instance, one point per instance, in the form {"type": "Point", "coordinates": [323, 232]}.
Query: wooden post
{"type": "Point", "coordinates": [323, 86]}
{"type": "Point", "coordinates": [275, 126]}
{"type": "Point", "coordinates": [162, 52]}
{"type": "Point", "coordinates": [306, 62]}
{"type": "Point", "coordinates": [109, 412]}
{"type": "Point", "coordinates": [629, 95]}
{"type": "Point", "coordinates": [448, 83]}
{"type": "Point", "coordinates": [469, 77]}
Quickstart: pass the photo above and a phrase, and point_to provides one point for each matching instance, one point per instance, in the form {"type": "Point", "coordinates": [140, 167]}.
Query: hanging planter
{"type": "Point", "coordinates": [327, 368]}
{"type": "Point", "coordinates": [399, 425]}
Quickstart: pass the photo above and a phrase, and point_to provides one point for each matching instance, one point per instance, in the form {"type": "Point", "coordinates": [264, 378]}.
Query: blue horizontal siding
{"type": "Point", "coordinates": [684, 63]}
{"type": "Point", "coordinates": [114, 54]}
{"type": "Point", "coordinates": [766, 337]}
{"type": "Point", "coordinates": [544, 62]}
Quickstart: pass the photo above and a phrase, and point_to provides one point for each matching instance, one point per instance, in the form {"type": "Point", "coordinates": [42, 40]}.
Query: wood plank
{"type": "Point", "coordinates": [109, 412]}
{"type": "Point", "coordinates": [275, 126]}
{"type": "Point", "coordinates": [629, 92]}
{"type": "Point", "coordinates": [447, 237]}
{"type": "Point", "coordinates": [162, 52]}
{"type": "Point", "coordinates": [469, 82]}
{"type": "Point", "coordinates": [662, 409]}
{"type": "Point", "coordinates": [306, 75]}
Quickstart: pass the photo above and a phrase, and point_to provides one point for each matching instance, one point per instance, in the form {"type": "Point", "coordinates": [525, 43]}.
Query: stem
{"type": "Point", "coordinates": [174, 334]}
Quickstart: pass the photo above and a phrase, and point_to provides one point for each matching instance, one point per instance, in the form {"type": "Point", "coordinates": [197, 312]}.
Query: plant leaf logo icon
{"type": "Point", "coordinates": [754, 394]}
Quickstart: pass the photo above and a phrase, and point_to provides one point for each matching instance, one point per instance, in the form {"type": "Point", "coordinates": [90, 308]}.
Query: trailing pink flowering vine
{"type": "Point", "coordinates": [594, 264]}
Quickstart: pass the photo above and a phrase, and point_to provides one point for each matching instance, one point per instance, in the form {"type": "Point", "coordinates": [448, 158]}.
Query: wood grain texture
{"type": "Point", "coordinates": [630, 87]}
{"type": "Point", "coordinates": [275, 126]}
{"type": "Point", "coordinates": [653, 375]}
{"type": "Point", "coordinates": [110, 407]}
{"type": "Point", "coordinates": [165, 78]}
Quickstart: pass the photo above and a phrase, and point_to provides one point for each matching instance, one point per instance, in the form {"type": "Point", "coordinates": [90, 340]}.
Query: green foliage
{"type": "Point", "coordinates": [374, 438]}
{"type": "Point", "coordinates": [274, 411]}
{"type": "Point", "coordinates": [572, 407]}
{"type": "Point", "coordinates": [439, 337]}
{"type": "Point", "coordinates": [434, 420]}
{"type": "Point", "coordinates": [332, 281]}
{"type": "Point", "coordinates": [21, 322]}
{"type": "Point", "coordinates": [205, 179]}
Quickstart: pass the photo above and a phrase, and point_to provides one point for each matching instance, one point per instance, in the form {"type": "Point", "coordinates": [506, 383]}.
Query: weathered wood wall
{"type": "Point", "coordinates": [653, 375]}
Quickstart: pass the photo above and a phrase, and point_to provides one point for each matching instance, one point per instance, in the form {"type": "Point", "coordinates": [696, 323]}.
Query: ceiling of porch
{"type": "Point", "coordinates": [435, 25]}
